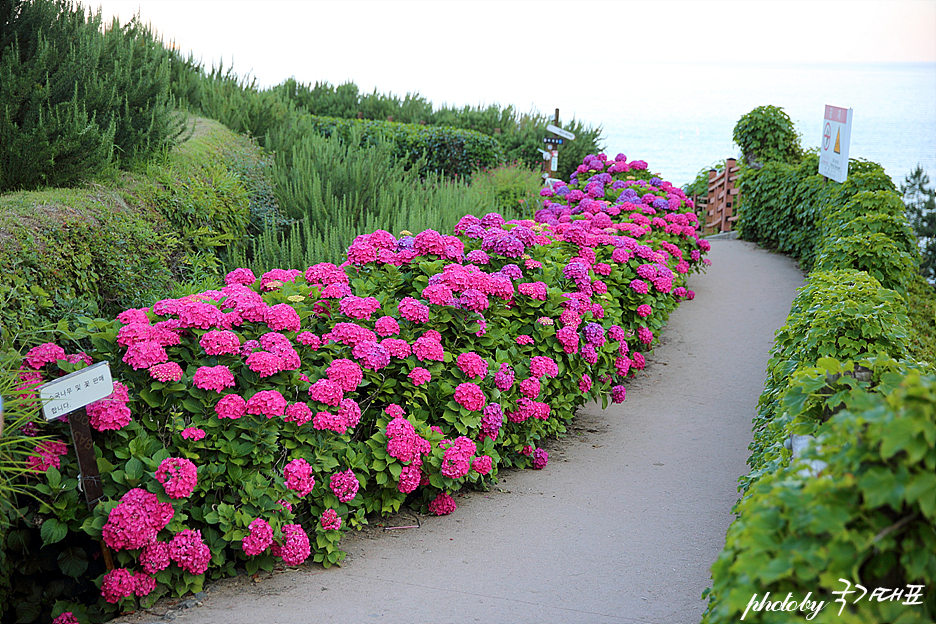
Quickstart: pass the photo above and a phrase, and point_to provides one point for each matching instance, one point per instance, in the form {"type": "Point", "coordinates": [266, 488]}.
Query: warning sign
{"type": "Point", "coordinates": [833, 155]}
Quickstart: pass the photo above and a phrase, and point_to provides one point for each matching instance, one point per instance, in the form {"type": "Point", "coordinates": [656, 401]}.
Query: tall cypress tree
{"type": "Point", "coordinates": [75, 97]}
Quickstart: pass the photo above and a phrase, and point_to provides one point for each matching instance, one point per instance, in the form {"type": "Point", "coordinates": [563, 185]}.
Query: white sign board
{"type": "Point", "coordinates": [836, 136]}
{"type": "Point", "coordinates": [73, 391]}
{"type": "Point", "coordinates": [565, 134]}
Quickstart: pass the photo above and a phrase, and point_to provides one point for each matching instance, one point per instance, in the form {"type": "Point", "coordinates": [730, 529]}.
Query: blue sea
{"type": "Point", "coordinates": [679, 117]}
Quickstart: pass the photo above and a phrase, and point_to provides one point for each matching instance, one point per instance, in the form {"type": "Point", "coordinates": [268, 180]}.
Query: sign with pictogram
{"type": "Point", "coordinates": [836, 136]}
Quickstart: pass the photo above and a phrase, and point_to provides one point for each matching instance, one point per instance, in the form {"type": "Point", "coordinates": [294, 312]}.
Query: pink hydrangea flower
{"type": "Point", "coordinates": [639, 286]}
{"type": "Point", "coordinates": [618, 394]}
{"type": "Point", "coordinates": [47, 353]}
{"type": "Point", "coordinates": [298, 413]}
{"type": "Point", "coordinates": [410, 478]}
{"type": "Point", "coordinates": [136, 520]}
{"type": "Point", "coordinates": [110, 413]}
{"type": "Point", "coordinates": [240, 276]}
{"type": "Point", "coordinates": [178, 476]}
{"type": "Point", "coordinates": [472, 364]}
{"type": "Point", "coordinates": [270, 403]}
{"type": "Point", "coordinates": [259, 539]}
{"type": "Point", "coordinates": [419, 376]}
{"type": "Point", "coordinates": [350, 412]}
{"type": "Point", "coordinates": [282, 316]}
{"type": "Point", "coordinates": [442, 505]}
{"type": "Point", "coordinates": [154, 557]}
{"type": "Point", "coordinates": [295, 548]}
{"type": "Point", "coordinates": [231, 406]}
{"type": "Point", "coordinates": [189, 551]}
{"type": "Point", "coordinates": [215, 378]}
{"type": "Point", "coordinates": [330, 520]}
{"type": "Point", "coordinates": [326, 421]}
{"type": "Point", "coordinates": [534, 290]}
{"type": "Point", "coordinates": [326, 391]}
{"type": "Point", "coordinates": [543, 366]}
{"type": "Point", "coordinates": [344, 485]}
{"type": "Point", "coordinates": [299, 477]}
{"type": "Point", "coordinates": [644, 310]}
{"type": "Point", "coordinates": [524, 339]}
{"type": "Point", "coordinates": [361, 308]}
{"type": "Point", "coordinates": [372, 354]}
{"type": "Point", "coordinates": [118, 584]}
{"type": "Point", "coordinates": [530, 388]}
{"type": "Point", "coordinates": [346, 373]}
{"type": "Point", "coordinates": [426, 348]}
{"type": "Point", "coordinates": [387, 326]}
{"type": "Point", "coordinates": [264, 364]}
{"type": "Point", "coordinates": [310, 340]}
{"type": "Point", "coordinates": [483, 465]}
{"type": "Point", "coordinates": [504, 378]}
{"type": "Point", "coordinates": [193, 433]}
{"type": "Point", "coordinates": [585, 384]}
{"type": "Point", "coordinates": [67, 617]}
{"type": "Point", "coordinates": [220, 342]}
{"type": "Point", "coordinates": [167, 371]}
{"type": "Point", "coordinates": [470, 396]}
{"type": "Point", "coordinates": [47, 455]}
{"type": "Point", "coordinates": [540, 459]}
{"type": "Point", "coordinates": [145, 354]}
{"type": "Point", "coordinates": [144, 584]}
{"type": "Point", "coordinates": [645, 335]}
{"type": "Point", "coordinates": [413, 310]}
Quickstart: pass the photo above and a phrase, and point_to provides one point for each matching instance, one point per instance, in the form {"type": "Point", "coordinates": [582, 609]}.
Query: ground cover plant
{"type": "Point", "coordinates": [252, 424]}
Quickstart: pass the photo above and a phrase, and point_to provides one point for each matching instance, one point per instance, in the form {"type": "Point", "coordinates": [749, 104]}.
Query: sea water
{"type": "Point", "coordinates": [679, 117]}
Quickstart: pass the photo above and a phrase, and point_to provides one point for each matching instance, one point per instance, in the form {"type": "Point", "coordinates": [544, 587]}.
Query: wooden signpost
{"type": "Point", "coordinates": [69, 395]}
{"type": "Point", "coordinates": [551, 153]}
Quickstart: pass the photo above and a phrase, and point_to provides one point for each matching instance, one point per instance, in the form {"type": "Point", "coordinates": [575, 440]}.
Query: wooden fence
{"type": "Point", "coordinates": [721, 199]}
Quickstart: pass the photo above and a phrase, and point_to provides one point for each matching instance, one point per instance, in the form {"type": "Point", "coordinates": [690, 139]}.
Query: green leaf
{"type": "Point", "coordinates": [73, 561]}
{"type": "Point", "coordinates": [53, 531]}
{"type": "Point", "coordinates": [134, 469]}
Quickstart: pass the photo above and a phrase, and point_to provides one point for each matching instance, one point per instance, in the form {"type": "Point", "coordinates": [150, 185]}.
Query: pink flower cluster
{"type": "Point", "coordinates": [189, 551]}
{"type": "Point", "coordinates": [543, 366]}
{"type": "Point", "coordinates": [456, 461]}
{"type": "Point", "coordinates": [47, 455]}
{"type": "Point", "coordinates": [472, 364]}
{"type": "Point", "coordinates": [344, 485]}
{"type": "Point", "coordinates": [330, 520]}
{"type": "Point", "coordinates": [470, 396]}
{"type": "Point", "coordinates": [299, 477]}
{"type": "Point", "coordinates": [136, 520]}
{"type": "Point", "coordinates": [295, 548]}
{"type": "Point", "coordinates": [178, 475]}
{"type": "Point", "coordinates": [121, 583]}
{"type": "Point", "coordinates": [215, 378]}
{"type": "Point", "coordinates": [442, 505]}
{"type": "Point", "coordinates": [259, 539]}
{"type": "Point", "coordinates": [111, 413]}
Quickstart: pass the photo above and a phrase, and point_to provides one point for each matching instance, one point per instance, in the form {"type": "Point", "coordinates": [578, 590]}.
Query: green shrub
{"type": "Point", "coordinates": [767, 134]}
{"type": "Point", "coordinates": [439, 150]}
{"type": "Point", "coordinates": [844, 314]}
{"type": "Point", "coordinates": [74, 96]}
{"type": "Point", "coordinates": [515, 187]}
{"type": "Point", "coordinates": [865, 514]}
{"type": "Point", "coordinates": [876, 254]}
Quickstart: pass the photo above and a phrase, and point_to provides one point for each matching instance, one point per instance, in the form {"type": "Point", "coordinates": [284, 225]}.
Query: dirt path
{"type": "Point", "coordinates": [621, 526]}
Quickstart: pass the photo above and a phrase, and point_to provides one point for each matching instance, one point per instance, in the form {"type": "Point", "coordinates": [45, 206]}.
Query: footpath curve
{"type": "Point", "coordinates": [623, 524]}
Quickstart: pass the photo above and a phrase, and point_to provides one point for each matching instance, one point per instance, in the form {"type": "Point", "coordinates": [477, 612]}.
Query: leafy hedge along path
{"type": "Point", "coordinates": [257, 423]}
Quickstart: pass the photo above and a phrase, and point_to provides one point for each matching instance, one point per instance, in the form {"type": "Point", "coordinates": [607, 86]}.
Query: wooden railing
{"type": "Point", "coordinates": [722, 198]}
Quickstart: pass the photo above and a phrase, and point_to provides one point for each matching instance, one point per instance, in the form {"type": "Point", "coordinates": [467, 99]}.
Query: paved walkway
{"type": "Point", "coordinates": [623, 524]}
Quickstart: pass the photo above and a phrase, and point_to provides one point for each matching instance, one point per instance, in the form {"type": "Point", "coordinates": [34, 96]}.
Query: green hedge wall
{"type": "Point", "coordinates": [434, 149]}
{"type": "Point", "coordinates": [850, 386]}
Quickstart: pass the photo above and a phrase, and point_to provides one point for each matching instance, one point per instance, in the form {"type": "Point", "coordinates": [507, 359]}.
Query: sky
{"type": "Point", "coordinates": [489, 51]}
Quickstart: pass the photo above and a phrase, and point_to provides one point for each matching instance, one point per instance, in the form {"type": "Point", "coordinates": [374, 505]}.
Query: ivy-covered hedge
{"type": "Point", "coordinates": [843, 464]}
{"type": "Point", "coordinates": [783, 205]}
{"type": "Point", "coordinates": [254, 424]}
{"type": "Point", "coordinates": [434, 149]}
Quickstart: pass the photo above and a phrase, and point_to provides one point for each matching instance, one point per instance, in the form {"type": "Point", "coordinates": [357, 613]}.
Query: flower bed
{"type": "Point", "coordinates": [257, 423]}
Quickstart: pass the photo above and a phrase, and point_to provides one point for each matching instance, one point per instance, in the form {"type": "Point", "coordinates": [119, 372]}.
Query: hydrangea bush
{"type": "Point", "coordinates": [254, 424]}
